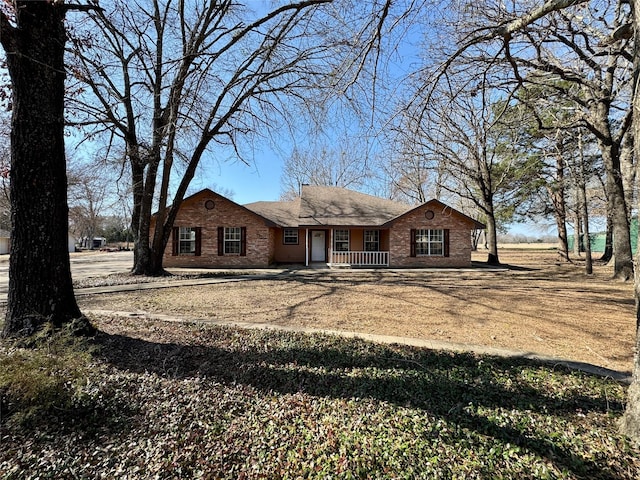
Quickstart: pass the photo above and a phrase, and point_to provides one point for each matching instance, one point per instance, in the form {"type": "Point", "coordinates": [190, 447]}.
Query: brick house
{"type": "Point", "coordinates": [327, 225]}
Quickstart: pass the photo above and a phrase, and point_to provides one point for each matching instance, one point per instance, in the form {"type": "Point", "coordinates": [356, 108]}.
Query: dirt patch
{"type": "Point", "coordinates": [539, 305]}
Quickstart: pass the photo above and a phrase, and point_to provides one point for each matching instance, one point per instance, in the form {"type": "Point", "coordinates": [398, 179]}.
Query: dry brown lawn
{"type": "Point", "coordinates": [539, 305]}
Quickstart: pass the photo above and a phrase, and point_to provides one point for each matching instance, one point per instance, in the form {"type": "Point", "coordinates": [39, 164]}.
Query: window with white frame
{"type": "Point", "coordinates": [371, 240]}
{"type": "Point", "coordinates": [187, 241]}
{"type": "Point", "coordinates": [290, 236]}
{"type": "Point", "coordinates": [341, 240]}
{"type": "Point", "coordinates": [429, 242]}
{"type": "Point", "coordinates": [232, 240]}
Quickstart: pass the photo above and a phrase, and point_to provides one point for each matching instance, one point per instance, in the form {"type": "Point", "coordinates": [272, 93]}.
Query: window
{"type": "Point", "coordinates": [429, 242]}
{"type": "Point", "coordinates": [290, 236]}
{"type": "Point", "coordinates": [341, 240]}
{"type": "Point", "coordinates": [186, 241]}
{"type": "Point", "coordinates": [371, 240]}
{"type": "Point", "coordinates": [232, 240]}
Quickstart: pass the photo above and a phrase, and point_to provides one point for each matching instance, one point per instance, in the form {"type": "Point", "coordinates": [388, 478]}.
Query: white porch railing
{"type": "Point", "coordinates": [358, 259]}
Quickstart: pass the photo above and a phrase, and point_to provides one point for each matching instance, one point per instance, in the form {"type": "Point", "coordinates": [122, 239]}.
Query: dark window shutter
{"type": "Point", "coordinates": [446, 242]}
{"type": "Point", "coordinates": [220, 240]}
{"type": "Point", "coordinates": [198, 241]}
{"type": "Point", "coordinates": [175, 236]}
{"type": "Point", "coordinates": [413, 242]}
{"type": "Point", "coordinates": [243, 241]}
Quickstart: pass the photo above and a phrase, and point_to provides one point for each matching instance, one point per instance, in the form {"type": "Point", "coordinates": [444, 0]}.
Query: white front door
{"type": "Point", "coordinates": [318, 252]}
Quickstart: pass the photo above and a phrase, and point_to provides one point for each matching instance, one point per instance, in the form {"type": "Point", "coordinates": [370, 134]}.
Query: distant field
{"type": "Point", "coordinates": [532, 245]}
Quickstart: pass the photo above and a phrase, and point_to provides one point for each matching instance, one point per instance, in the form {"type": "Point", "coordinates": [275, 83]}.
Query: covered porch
{"type": "Point", "coordinates": [347, 247]}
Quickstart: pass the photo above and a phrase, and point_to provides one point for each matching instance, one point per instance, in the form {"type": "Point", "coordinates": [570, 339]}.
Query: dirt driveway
{"type": "Point", "coordinates": [538, 305]}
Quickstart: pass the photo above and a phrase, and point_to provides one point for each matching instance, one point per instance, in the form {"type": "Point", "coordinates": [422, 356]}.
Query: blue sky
{"type": "Point", "coordinates": [261, 178]}
{"type": "Point", "coordinates": [262, 181]}
{"type": "Point", "coordinates": [257, 181]}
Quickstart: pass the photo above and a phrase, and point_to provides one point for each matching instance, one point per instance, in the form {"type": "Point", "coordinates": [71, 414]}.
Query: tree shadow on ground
{"type": "Point", "coordinates": [480, 266]}
{"type": "Point", "coordinates": [440, 384]}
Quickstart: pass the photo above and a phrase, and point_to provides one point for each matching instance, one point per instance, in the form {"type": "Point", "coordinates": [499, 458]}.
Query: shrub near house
{"type": "Point", "coordinates": [329, 225]}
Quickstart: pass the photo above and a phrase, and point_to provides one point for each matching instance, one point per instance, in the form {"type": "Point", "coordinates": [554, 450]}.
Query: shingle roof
{"type": "Point", "coordinates": [320, 205]}
{"type": "Point", "coordinates": [284, 214]}
{"type": "Point", "coordinates": [335, 206]}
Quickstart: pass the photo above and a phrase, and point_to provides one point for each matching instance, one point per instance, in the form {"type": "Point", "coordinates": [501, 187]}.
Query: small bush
{"type": "Point", "coordinates": [44, 376]}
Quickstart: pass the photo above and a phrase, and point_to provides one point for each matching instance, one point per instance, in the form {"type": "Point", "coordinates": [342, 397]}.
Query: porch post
{"type": "Point", "coordinates": [330, 259]}
{"type": "Point", "coordinates": [306, 247]}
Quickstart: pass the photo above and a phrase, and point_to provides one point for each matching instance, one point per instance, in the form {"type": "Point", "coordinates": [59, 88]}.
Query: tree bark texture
{"type": "Point", "coordinates": [556, 193]}
{"type": "Point", "coordinates": [623, 257]}
{"type": "Point", "coordinates": [630, 424]}
{"type": "Point", "coordinates": [40, 286]}
{"type": "Point", "coordinates": [584, 210]}
{"type": "Point", "coordinates": [607, 255]}
{"type": "Point", "coordinates": [492, 240]}
{"type": "Point", "coordinates": [584, 215]}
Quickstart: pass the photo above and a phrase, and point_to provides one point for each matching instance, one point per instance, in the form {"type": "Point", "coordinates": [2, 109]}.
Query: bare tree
{"type": "Point", "coordinates": [89, 198]}
{"type": "Point", "coordinates": [503, 31]}
{"type": "Point", "coordinates": [580, 175]}
{"type": "Point", "coordinates": [550, 134]}
{"type": "Point", "coordinates": [340, 167]}
{"type": "Point", "coordinates": [176, 82]}
{"type": "Point", "coordinates": [566, 48]}
{"type": "Point", "coordinates": [415, 175]}
{"type": "Point", "coordinates": [460, 128]}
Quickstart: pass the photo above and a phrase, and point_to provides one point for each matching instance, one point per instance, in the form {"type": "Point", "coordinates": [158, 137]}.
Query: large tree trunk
{"type": "Point", "coordinates": [563, 238]}
{"type": "Point", "coordinates": [145, 262]}
{"type": "Point", "coordinates": [137, 183]}
{"type": "Point", "coordinates": [622, 255]}
{"type": "Point", "coordinates": [492, 239]}
{"type": "Point", "coordinates": [40, 287]}
{"type": "Point", "coordinates": [148, 262]}
{"type": "Point", "coordinates": [628, 169]}
{"type": "Point", "coordinates": [630, 423]}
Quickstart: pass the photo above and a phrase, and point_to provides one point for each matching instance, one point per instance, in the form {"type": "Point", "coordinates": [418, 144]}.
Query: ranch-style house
{"type": "Point", "coordinates": [325, 225]}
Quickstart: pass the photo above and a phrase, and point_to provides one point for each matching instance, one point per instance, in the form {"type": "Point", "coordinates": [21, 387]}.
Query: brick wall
{"type": "Point", "coordinates": [289, 253]}
{"type": "Point", "coordinates": [459, 239]}
{"type": "Point", "coordinates": [225, 213]}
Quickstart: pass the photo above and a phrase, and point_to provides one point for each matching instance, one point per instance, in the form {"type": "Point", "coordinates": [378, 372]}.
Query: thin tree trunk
{"type": "Point", "coordinates": [40, 286]}
{"type": "Point", "coordinates": [577, 235]}
{"type": "Point", "coordinates": [588, 265]}
{"type": "Point", "coordinates": [584, 217]}
{"type": "Point", "coordinates": [584, 211]}
{"type": "Point", "coordinates": [557, 195]}
{"type": "Point", "coordinates": [607, 255]}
